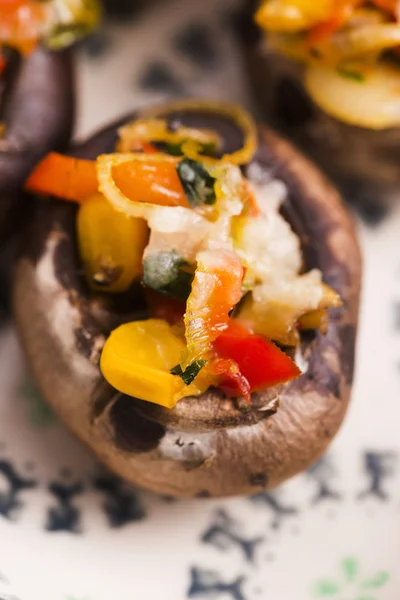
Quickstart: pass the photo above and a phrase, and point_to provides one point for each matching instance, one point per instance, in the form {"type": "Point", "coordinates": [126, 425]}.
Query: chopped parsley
{"type": "Point", "coordinates": [351, 74]}
{"type": "Point", "coordinates": [197, 182]}
{"type": "Point", "coordinates": [168, 273]}
{"type": "Point", "coordinates": [191, 371]}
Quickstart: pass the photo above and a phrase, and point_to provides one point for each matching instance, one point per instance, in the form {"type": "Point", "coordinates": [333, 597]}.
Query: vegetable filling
{"type": "Point", "coordinates": [222, 271]}
{"type": "Point", "coordinates": [349, 50]}
{"type": "Point", "coordinates": [55, 23]}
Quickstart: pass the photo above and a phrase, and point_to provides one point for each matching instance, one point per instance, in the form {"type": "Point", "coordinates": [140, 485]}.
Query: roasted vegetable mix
{"type": "Point", "coordinates": [221, 269]}
{"type": "Point", "coordinates": [55, 23]}
{"type": "Point", "coordinates": [350, 53]}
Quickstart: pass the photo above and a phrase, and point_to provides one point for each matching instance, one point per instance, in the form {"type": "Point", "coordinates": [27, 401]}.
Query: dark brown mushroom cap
{"type": "Point", "coordinates": [206, 446]}
{"type": "Point", "coordinates": [350, 154]}
{"type": "Point", "coordinates": [37, 108]}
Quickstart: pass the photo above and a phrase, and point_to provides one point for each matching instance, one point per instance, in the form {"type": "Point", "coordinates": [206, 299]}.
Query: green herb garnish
{"type": "Point", "coordinates": [197, 182]}
{"type": "Point", "coordinates": [168, 273]}
{"type": "Point", "coordinates": [73, 20]}
{"type": "Point", "coordinates": [191, 371]}
{"type": "Point", "coordinates": [351, 74]}
{"type": "Point", "coordinates": [173, 149]}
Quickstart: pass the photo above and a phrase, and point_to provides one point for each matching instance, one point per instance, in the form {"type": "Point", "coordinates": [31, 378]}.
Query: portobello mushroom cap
{"type": "Point", "coordinates": [37, 110]}
{"type": "Point", "coordinates": [207, 445]}
{"type": "Point", "coordinates": [361, 160]}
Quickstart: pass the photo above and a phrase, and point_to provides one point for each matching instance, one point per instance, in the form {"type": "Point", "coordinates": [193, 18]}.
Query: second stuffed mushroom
{"type": "Point", "coordinates": [327, 75]}
{"type": "Point", "coordinates": [36, 88]}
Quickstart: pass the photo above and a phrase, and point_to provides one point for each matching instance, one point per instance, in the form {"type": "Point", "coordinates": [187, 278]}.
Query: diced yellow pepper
{"type": "Point", "coordinates": [315, 319]}
{"type": "Point", "coordinates": [277, 318]}
{"type": "Point", "coordinates": [275, 321]}
{"type": "Point", "coordinates": [137, 359]}
{"type": "Point", "coordinates": [111, 245]}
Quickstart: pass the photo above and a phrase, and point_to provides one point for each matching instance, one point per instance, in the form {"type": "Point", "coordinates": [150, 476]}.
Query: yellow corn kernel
{"type": "Point", "coordinates": [111, 245]}
{"type": "Point", "coordinates": [293, 15]}
{"type": "Point", "coordinates": [137, 359]}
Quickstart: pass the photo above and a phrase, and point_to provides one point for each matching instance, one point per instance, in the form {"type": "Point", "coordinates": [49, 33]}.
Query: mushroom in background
{"type": "Point", "coordinates": [36, 98]}
{"type": "Point", "coordinates": [329, 80]}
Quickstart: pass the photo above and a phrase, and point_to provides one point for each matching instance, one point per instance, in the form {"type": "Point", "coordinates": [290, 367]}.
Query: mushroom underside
{"type": "Point", "coordinates": [207, 446]}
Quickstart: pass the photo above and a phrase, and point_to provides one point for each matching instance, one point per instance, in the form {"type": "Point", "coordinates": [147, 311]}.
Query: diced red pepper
{"type": "Point", "coordinates": [259, 360]}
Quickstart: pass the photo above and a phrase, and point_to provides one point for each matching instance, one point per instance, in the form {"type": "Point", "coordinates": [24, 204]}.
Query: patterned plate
{"type": "Point", "coordinates": [71, 531]}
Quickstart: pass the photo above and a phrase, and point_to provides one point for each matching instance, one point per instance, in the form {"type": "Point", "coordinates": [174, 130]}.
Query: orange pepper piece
{"type": "Point", "coordinates": [21, 22]}
{"type": "Point", "coordinates": [155, 183]}
{"type": "Point", "coordinates": [11, 4]}
{"type": "Point", "coordinates": [216, 289]}
{"type": "Point", "coordinates": [75, 179]}
{"type": "Point", "coordinates": [391, 6]}
{"type": "Point", "coordinates": [321, 32]}
{"type": "Point", "coordinates": [65, 177]}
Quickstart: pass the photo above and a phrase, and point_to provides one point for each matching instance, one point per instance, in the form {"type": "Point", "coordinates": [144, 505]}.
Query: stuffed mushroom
{"type": "Point", "coordinates": [36, 87]}
{"type": "Point", "coordinates": [327, 75]}
{"type": "Point", "coordinates": [187, 295]}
